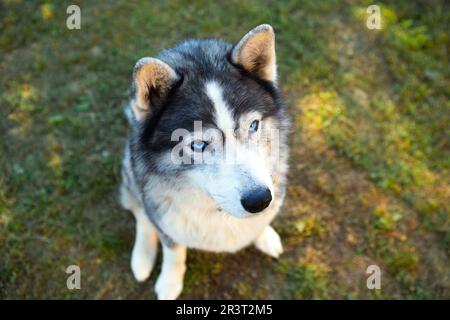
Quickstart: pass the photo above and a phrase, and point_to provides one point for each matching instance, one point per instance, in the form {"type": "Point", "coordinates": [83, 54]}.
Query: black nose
{"type": "Point", "coordinates": [257, 200]}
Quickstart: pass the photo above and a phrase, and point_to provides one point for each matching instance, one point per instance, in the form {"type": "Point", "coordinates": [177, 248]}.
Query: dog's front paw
{"type": "Point", "coordinates": [269, 242]}
{"type": "Point", "coordinates": [141, 265]}
{"type": "Point", "coordinates": [168, 286]}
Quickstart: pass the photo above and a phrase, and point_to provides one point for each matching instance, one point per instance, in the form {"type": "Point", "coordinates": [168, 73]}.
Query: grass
{"type": "Point", "coordinates": [369, 178]}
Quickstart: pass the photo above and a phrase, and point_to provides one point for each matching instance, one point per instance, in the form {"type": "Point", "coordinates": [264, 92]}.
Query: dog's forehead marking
{"type": "Point", "coordinates": [223, 116]}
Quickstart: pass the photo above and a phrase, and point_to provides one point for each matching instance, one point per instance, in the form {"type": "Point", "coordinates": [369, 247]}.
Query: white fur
{"type": "Point", "coordinates": [196, 221]}
{"type": "Point", "coordinates": [170, 280]}
{"type": "Point", "coordinates": [145, 247]}
{"type": "Point", "coordinates": [269, 242]}
{"type": "Point", "coordinates": [224, 119]}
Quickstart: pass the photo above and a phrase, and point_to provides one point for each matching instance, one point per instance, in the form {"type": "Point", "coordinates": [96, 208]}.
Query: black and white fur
{"type": "Point", "coordinates": [200, 206]}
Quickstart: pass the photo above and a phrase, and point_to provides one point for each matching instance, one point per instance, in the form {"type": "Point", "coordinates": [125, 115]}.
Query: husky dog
{"type": "Point", "coordinates": [216, 205]}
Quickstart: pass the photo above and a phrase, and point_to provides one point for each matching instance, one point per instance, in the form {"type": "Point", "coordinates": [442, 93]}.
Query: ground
{"type": "Point", "coordinates": [369, 181]}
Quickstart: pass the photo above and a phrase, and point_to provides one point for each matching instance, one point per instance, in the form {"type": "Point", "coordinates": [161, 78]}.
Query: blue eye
{"type": "Point", "coordinates": [198, 146]}
{"type": "Point", "coordinates": [254, 126]}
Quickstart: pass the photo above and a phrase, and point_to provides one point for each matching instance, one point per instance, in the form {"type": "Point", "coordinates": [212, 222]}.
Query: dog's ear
{"type": "Point", "coordinates": [152, 80]}
{"type": "Point", "coordinates": [256, 53]}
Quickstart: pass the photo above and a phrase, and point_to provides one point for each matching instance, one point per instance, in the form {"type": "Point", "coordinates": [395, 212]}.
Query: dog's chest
{"type": "Point", "coordinates": [194, 220]}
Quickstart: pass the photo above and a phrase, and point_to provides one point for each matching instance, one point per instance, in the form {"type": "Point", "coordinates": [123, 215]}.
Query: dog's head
{"type": "Point", "coordinates": [209, 113]}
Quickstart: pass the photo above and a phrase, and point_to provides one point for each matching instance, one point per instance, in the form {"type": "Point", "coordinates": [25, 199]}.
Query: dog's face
{"type": "Point", "coordinates": [210, 112]}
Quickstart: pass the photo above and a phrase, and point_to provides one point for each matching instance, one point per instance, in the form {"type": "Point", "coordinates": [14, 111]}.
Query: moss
{"type": "Point", "coordinates": [304, 281]}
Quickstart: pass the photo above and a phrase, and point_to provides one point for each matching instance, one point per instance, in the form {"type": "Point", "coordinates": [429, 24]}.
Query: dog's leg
{"type": "Point", "coordinates": [269, 242]}
{"type": "Point", "coordinates": [170, 280]}
{"type": "Point", "coordinates": [145, 246]}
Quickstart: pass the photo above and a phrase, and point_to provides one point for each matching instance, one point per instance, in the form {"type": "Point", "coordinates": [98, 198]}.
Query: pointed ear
{"type": "Point", "coordinates": [256, 53]}
{"type": "Point", "coordinates": [152, 81]}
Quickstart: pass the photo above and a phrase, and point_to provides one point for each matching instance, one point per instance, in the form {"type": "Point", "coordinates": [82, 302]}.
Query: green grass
{"type": "Point", "coordinates": [369, 178]}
